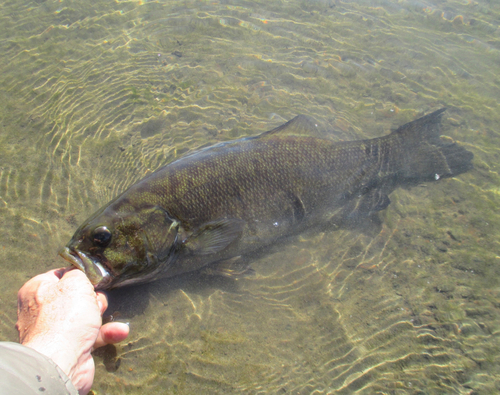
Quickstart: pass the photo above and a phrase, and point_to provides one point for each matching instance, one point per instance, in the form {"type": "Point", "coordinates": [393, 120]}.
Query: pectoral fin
{"type": "Point", "coordinates": [214, 236]}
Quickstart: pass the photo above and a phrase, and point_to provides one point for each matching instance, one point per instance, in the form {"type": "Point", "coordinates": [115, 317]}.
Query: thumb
{"type": "Point", "coordinates": [110, 333]}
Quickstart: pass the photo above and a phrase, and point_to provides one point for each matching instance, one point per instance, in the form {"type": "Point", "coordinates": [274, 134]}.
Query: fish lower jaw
{"type": "Point", "coordinates": [94, 270]}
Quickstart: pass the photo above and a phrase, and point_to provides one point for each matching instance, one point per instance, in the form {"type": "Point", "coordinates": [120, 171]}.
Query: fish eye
{"type": "Point", "coordinates": [101, 236]}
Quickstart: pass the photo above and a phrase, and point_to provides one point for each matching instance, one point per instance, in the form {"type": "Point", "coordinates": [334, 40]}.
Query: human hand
{"type": "Point", "coordinates": [59, 315]}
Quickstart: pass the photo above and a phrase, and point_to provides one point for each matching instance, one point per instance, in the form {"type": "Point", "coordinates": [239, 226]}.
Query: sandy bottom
{"type": "Point", "coordinates": [96, 95]}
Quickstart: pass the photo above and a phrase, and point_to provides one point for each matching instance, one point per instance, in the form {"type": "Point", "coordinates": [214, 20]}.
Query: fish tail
{"type": "Point", "coordinates": [423, 155]}
{"type": "Point", "coordinates": [412, 154]}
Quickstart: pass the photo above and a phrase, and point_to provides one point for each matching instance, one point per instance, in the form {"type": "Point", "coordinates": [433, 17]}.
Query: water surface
{"type": "Point", "coordinates": [96, 95]}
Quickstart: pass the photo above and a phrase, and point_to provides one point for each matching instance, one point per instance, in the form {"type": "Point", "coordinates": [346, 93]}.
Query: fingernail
{"type": "Point", "coordinates": [123, 322]}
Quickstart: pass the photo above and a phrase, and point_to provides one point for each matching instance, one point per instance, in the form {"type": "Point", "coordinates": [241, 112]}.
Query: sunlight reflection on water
{"type": "Point", "coordinates": [91, 107]}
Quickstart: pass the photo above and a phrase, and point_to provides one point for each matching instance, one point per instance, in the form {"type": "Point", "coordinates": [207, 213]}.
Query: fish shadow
{"type": "Point", "coordinates": [128, 302]}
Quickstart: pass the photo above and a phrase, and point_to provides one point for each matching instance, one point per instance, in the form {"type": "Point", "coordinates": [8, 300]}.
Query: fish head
{"type": "Point", "coordinates": [115, 248]}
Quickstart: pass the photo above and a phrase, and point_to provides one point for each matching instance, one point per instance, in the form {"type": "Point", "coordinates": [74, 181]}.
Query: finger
{"type": "Point", "coordinates": [75, 274]}
{"type": "Point", "coordinates": [49, 278]}
{"type": "Point", "coordinates": [64, 270]}
{"type": "Point", "coordinates": [52, 276]}
{"type": "Point", "coordinates": [102, 301]}
{"type": "Point", "coordinates": [54, 272]}
{"type": "Point", "coordinates": [76, 279]}
{"type": "Point", "coordinates": [112, 333]}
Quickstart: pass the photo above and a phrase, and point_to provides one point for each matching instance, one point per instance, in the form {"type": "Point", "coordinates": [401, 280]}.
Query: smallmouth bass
{"type": "Point", "coordinates": [211, 208]}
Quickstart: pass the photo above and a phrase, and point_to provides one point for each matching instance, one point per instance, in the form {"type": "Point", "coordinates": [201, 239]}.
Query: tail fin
{"type": "Point", "coordinates": [425, 156]}
{"type": "Point", "coordinates": [412, 154]}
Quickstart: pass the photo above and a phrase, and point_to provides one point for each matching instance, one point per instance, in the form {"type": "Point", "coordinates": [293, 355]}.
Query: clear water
{"type": "Point", "coordinates": [95, 95]}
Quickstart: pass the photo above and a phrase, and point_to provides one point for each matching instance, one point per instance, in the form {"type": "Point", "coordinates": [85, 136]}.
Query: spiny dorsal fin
{"type": "Point", "coordinates": [298, 126]}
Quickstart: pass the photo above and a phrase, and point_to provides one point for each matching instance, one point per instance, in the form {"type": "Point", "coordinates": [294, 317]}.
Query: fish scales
{"type": "Point", "coordinates": [252, 187]}
{"type": "Point", "coordinates": [213, 207]}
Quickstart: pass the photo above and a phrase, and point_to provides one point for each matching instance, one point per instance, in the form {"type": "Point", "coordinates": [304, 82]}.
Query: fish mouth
{"type": "Point", "coordinates": [94, 270]}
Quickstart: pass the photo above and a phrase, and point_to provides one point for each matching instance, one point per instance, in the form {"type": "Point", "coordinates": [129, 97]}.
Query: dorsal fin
{"type": "Point", "coordinates": [298, 126]}
{"type": "Point", "coordinates": [425, 128]}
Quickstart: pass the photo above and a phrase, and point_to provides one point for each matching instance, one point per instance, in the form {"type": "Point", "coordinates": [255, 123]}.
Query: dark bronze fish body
{"type": "Point", "coordinates": [211, 207]}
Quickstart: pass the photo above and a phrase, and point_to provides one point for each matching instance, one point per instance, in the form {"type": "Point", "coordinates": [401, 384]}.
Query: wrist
{"type": "Point", "coordinates": [54, 348]}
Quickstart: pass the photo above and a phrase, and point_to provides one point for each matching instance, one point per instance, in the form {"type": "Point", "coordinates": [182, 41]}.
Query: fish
{"type": "Point", "coordinates": [211, 210]}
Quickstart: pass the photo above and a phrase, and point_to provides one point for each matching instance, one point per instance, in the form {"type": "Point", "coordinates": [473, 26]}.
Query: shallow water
{"type": "Point", "coordinates": [97, 95]}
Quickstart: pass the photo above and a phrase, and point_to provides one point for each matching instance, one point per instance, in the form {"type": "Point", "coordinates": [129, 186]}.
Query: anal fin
{"type": "Point", "coordinates": [358, 208]}
{"type": "Point", "coordinates": [235, 268]}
